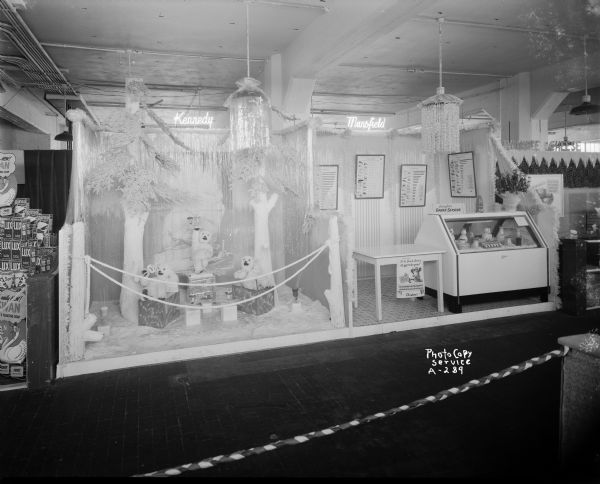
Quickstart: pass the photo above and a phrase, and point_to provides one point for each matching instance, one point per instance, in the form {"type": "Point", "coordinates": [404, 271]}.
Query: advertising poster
{"type": "Point", "coordinates": [409, 278]}
{"type": "Point", "coordinates": [550, 190]}
{"type": "Point", "coordinates": [13, 335]}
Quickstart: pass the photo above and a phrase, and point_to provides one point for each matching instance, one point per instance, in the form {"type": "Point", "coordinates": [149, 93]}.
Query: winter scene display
{"type": "Point", "coordinates": [181, 240]}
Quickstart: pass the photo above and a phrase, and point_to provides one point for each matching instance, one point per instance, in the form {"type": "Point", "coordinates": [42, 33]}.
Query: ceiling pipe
{"type": "Point", "coordinates": [116, 104]}
{"type": "Point", "coordinates": [483, 25]}
{"type": "Point", "coordinates": [146, 52]}
{"type": "Point", "coordinates": [419, 70]}
{"type": "Point", "coordinates": [274, 3]}
{"type": "Point", "coordinates": [36, 53]}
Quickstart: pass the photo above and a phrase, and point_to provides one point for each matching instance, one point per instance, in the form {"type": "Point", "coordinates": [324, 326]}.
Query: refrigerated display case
{"type": "Point", "coordinates": [487, 254]}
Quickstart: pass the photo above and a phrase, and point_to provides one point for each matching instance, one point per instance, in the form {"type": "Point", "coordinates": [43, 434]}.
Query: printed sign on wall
{"type": "Point", "coordinates": [413, 185]}
{"type": "Point", "coordinates": [328, 187]}
{"type": "Point", "coordinates": [369, 176]}
{"type": "Point", "coordinates": [409, 278]}
{"type": "Point", "coordinates": [461, 167]}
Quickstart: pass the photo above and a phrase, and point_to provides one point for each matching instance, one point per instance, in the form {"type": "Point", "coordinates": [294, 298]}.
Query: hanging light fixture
{"type": "Point", "coordinates": [586, 106]}
{"type": "Point", "coordinates": [249, 108]}
{"type": "Point", "coordinates": [440, 115]}
{"type": "Point", "coordinates": [66, 134]}
{"type": "Point", "coordinates": [565, 144]}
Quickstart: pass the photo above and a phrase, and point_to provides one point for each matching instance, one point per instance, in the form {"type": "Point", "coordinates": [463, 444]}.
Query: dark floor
{"type": "Point", "coordinates": [132, 421]}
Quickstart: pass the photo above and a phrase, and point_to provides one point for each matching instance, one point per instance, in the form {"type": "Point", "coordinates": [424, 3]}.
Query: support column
{"type": "Point", "coordinates": [273, 86]}
{"type": "Point", "coordinates": [516, 108]}
{"type": "Point", "coordinates": [298, 97]}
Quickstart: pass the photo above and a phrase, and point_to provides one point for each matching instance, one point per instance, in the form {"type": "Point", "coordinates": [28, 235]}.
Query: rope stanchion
{"type": "Point", "coordinates": [203, 284]}
{"type": "Point", "coordinates": [188, 306]}
{"type": "Point", "coordinates": [300, 439]}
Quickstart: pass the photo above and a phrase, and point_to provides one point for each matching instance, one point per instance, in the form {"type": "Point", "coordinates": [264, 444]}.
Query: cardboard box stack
{"type": "Point", "coordinates": [27, 247]}
{"type": "Point", "coordinates": [28, 244]}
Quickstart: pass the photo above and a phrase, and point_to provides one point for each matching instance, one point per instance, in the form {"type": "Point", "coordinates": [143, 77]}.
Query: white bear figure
{"type": "Point", "coordinates": [153, 289]}
{"type": "Point", "coordinates": [170, 277]}
{"type": "Point", "coordinates": [202, 251]}
{"type": "Point", "coordinates": [250, 270]}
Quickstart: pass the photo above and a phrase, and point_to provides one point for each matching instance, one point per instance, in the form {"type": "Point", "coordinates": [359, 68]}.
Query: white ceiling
{"type": "Point", "coordinates": [366, 56]}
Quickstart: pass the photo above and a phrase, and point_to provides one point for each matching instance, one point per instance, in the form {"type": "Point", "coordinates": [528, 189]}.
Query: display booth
{"type": "Point", "coordinates": [183, 244]}
{"type": "Point", "coordinates": [187, 244]}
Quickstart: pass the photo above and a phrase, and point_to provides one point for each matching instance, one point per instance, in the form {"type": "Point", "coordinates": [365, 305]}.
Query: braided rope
{"type": "Point", "coordinates": [202, 284]}
{"type": "Point", "coordinates": [300, 439]}
{"type": "Point", "coordinates": [188, 306]}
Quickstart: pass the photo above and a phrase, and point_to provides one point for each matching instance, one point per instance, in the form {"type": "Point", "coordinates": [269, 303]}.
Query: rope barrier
{"type": "Point", "coordinates": [188, 306]}
{"type": "Point", "coordinates": [202, 284]}
{"type": "Point", "coordinates": [300, 439]}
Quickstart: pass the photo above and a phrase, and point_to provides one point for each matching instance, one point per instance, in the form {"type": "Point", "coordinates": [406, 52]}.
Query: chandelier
{"type": "Point", "coordinates": [564, 144]}
{"type": "Point", "coordinates": [586, 106]}
{"type": "Point", "coordinates": [440, 115]}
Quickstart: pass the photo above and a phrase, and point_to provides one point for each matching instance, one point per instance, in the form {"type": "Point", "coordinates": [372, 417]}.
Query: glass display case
{"type": "Point", "coordinates": [486, 254]}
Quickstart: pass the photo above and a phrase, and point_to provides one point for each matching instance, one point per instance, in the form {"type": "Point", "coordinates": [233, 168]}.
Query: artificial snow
{"type": "Point", "coordinates": [126, 338]}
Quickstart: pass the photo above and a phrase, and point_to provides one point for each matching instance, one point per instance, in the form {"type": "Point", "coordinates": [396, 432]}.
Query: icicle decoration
{"type": "Point", "coordinates": [440, 115]}
{"type": "Point", "coordinates": [249, 116]}
{"type": "Point", "coordinates": [440, 118]}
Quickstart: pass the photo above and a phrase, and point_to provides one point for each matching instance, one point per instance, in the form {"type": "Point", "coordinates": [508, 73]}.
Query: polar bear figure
{"type": "Point", "coordinates": [169, 277]}
{"type": "Point", "coordinates": [251, 270]}
{"type": "Point", "coordinates": [202, 250]}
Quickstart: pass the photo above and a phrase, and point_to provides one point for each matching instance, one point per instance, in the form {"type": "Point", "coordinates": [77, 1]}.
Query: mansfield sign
{"type": "Point", "coordinates": [354, 122]}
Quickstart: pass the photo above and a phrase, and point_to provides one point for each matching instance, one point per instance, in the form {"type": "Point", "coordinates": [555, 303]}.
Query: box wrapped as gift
{"type": "Point", "coordinates": [258, 306]}
{"type": "Point", "coordinates": [156, 314]}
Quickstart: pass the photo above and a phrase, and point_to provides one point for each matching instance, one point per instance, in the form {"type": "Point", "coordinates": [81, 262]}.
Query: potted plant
{"type": "Point", "coordinates": [511, 186]}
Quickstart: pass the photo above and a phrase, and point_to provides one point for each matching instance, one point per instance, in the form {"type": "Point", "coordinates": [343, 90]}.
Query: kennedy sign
{"type": "Point", "coordinates": [372, 123]}
{"type": "Point", "coordinates": [181, 119]}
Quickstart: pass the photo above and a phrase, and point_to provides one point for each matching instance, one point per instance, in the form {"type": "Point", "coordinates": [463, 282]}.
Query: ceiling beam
{"type": "Point", "coordinates": [331, 38]}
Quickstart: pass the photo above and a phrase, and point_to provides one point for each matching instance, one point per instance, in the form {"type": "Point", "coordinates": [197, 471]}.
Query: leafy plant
{"type": "Point", "coordinates": [515, 182]}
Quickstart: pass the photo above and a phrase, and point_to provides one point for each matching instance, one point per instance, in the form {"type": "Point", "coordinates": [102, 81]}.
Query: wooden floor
{"type": "Point", "coordinates": [125, 422]}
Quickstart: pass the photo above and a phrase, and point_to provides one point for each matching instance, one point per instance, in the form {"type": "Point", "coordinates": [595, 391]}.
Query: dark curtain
{"type": "Point", "coordinates": [47, 180]}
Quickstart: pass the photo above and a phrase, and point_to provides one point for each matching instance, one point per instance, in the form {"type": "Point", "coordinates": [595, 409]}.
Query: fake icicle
{"type": "Point", "coordinates": [81, 321]}
{"type": "Point", "coordinates": [335, 295]}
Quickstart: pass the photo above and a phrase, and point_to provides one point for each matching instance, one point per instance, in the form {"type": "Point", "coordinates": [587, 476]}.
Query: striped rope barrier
{"type": "Point", "coordinates": [189, 306]}
{"type": "Point", "coordinates": [203, 284]}
{"type": "Point", "coordinates": [300, 439]}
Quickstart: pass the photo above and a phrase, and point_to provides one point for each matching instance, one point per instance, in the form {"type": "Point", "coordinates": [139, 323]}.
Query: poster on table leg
{"type": "Point", "coordinates": [409, 278]}
{"type": "Point", "coordinates": [13, 335]}
{"type": "Point", "coordinates": [549, 187]}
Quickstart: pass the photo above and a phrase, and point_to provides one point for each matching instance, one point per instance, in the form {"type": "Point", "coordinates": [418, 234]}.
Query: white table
{"type": "Point", "coordinates": [391, 254]}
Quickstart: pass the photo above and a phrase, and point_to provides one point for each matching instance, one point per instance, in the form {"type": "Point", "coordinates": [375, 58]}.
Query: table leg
{"type": "Point", "coordinates": [440, 285]}
{"type": "Point", "coordinates": [355, 284]}
{"type": "Point", "coordinates": [378, 291]}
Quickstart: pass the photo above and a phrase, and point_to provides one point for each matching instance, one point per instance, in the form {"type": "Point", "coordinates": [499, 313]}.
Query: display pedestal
{"type": "Point", "coordinates": [579, 275]}
{"type": "Point", "coordinates": [579, 409]}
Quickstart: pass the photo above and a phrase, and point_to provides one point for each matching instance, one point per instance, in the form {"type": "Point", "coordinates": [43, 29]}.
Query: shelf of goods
{"type": "Point", "coordinates": [579, 275]}
{"type": "Point", "coordinates": [488, 256]}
